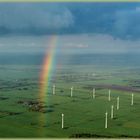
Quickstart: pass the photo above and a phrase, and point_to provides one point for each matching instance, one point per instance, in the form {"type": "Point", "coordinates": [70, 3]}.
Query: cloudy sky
{"type": "Point", "coordinates": [80, 27]}
{"type": "Point", "coordinates": [121, 20]}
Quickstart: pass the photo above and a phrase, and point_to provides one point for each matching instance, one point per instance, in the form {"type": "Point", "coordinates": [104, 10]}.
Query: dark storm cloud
{"type": "Point", "coordinates": [33, 18]}
{"type": "Point", "coordinates": [120, 20]}
{"type": "Point", "coordinates": [127, 23]}
{"type": "Point", "coordinates": [117, 19]}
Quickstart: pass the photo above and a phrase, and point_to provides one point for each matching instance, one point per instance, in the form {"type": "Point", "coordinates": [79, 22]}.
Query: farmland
{"type": "Point", "coordinates": [23, 115]}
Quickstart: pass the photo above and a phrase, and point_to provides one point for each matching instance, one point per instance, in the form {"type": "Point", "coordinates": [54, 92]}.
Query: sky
{"type": "Point", "coordinates": [121, 20]}
{"type": "Point", "coordinates": [102, 26]}
{"type": "Point", "coordinates": [69, 44]}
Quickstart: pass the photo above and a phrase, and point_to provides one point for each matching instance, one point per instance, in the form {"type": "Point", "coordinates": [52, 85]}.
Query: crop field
{"type": "Point", "coordinates": [23, 115]}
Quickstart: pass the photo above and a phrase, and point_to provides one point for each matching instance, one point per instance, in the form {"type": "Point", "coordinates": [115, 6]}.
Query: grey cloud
{"type": "Point", "coordinates": [120, 20]}
{"type": "Point", "coordinates": [17, 17]}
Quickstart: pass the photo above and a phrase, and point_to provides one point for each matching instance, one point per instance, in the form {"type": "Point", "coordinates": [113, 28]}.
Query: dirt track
{"type": "Point", "coordinates": [118, 87]}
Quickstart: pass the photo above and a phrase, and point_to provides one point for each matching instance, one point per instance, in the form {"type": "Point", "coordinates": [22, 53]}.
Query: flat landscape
{"type": "Point", "coordinates": [22, 114]}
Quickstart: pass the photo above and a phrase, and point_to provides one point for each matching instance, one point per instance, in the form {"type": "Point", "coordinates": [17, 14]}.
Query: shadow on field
{"type": "Point", "coordinates": [88, 135]}
{"type": "Point", "coordinates": [4, 98]}
{"type": "Point", "coordinates": [6, 113]}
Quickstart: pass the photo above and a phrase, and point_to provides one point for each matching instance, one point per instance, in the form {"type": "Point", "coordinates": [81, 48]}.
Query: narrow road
{"type": "Point", "coordinates": [118, 87]}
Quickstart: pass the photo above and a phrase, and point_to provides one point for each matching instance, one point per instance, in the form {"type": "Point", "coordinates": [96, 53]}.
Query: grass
{"type": "Point", "coordinates": [84, 116]}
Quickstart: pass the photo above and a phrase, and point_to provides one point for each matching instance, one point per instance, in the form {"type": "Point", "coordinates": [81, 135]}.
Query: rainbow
{"type": "Point", "coordinates": [45, 76]}
{"type": "Point", "coordinates": [47, 68]}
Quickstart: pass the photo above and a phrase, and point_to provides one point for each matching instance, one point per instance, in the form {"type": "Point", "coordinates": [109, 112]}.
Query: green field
{"type": "Point", "coordinates": [23, 115]}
